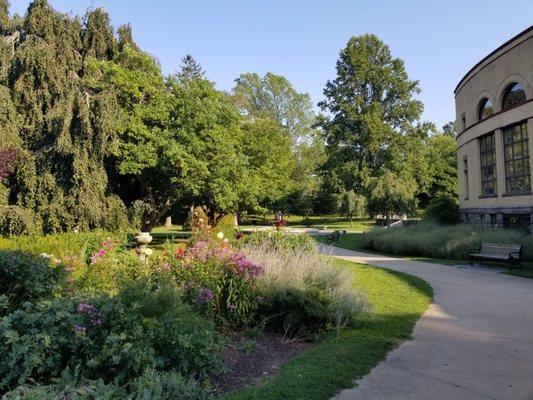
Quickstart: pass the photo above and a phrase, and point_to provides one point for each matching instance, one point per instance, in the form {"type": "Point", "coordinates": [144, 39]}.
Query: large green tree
{"type": "Point", "coordinates": [370, 105]}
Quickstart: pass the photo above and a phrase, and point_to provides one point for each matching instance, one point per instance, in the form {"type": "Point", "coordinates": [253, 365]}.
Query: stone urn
{"type": "Point", "coordinates": [142, 240]}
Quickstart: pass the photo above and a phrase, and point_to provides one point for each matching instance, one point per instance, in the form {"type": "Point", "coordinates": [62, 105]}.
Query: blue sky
{"type": "Point", "coordinates": [439, 40]}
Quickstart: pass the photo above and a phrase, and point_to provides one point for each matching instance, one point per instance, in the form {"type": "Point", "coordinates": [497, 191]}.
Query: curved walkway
{"type": "Point", "coordinates": [475, 342]}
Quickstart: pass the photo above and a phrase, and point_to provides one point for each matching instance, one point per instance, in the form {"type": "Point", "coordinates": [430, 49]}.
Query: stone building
{"type": "Point", "coordinates": [494, 108]}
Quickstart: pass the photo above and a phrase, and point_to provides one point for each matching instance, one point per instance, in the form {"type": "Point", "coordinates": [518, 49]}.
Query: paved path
{"type": "Point", "coordinates": [475, 342]}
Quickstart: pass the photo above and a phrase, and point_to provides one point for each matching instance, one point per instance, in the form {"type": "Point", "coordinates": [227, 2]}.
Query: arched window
{"type": "Point", "coordinates": [485, 109]}
{"type": "Point", "coordinates": [513, 96]}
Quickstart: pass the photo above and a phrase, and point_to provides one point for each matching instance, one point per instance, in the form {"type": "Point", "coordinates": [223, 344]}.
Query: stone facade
{"type": "Point", "coordinates": [494, 109]}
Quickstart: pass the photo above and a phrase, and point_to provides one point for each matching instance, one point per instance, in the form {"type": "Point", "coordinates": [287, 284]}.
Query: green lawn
{"type": "Point", "coordinates": [398, 300]}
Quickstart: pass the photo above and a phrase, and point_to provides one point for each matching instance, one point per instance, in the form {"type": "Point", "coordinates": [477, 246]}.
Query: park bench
{"type": "Point", "coordinates": [507, 253]}
{"type": "Point", "coordinates": [334, 237]}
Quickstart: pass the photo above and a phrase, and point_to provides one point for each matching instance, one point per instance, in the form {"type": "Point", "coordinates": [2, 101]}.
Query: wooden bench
{"type": "Point", "coordinates": [334, 237]}
{"type": "Point", "coordinates": [508, 253]}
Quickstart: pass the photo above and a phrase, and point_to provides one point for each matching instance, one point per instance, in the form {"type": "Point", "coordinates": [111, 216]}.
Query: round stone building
{"type": "Point", "coordinates": [494, 108]}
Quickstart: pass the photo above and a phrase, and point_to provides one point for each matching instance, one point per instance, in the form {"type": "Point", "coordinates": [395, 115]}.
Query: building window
{"type": "Point", "coordinates": [517, 221]}
{"type": "Point", "coordinates": [463, 122]}
{"type": "Point", "coordinates": [485, 109]}
{"type": "Point", "coordinates": [513, 96]}
{"type": "Point", "coordinates": [487, 156]}
{"type": "Point", "coordinates": [465, 169]}
{"type": "Point", "coordinates": [516, 156]}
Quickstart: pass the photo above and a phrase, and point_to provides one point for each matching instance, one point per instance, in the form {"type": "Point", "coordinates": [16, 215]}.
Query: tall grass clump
{"type": "Point", "coordinates": [430, 239]}
{"type": "Point", "coordinates": [303, 295]}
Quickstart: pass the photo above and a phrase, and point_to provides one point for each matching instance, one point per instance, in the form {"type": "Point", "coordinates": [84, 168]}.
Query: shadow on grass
{"type": "Point", "coordinates": [398, 300]}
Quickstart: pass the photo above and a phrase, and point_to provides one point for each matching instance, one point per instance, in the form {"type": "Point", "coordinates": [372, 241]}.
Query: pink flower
{"type": "Point", "coordinates": [165, 266]}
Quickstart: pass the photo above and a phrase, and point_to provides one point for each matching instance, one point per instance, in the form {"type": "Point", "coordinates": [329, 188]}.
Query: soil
{"type": "Point", "coordinates": [251, 361]}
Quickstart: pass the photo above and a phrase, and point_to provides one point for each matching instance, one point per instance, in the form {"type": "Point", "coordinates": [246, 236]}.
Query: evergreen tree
{"type": "Point", "coordinates": [190, 69]}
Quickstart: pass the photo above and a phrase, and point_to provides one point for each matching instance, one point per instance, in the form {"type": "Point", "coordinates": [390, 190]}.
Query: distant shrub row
{"type": "Point", "coordinates": [429, 239]}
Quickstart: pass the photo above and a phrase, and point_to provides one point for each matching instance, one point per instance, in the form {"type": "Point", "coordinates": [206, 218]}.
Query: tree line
{"type": "Point", "coordinates": [94, 135]}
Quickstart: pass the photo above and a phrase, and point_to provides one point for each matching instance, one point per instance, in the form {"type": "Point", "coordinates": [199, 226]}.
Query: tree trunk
{"type": "Point", "coordinates": [168, 222]}
{"type": "Point", "coordinates": [351, 222]}
{"type": "Point", "coordinates": [236, 219]}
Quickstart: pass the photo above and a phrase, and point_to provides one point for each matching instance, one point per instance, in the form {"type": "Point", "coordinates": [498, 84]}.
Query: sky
{"type": "Point", "coordinates": [439, 40]}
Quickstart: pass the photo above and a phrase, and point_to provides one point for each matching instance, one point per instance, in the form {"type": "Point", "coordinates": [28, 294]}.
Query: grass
{"type": "Point", "coordinates": [398, 300]}
{"type": "Point", "coordinates": [352, 241]}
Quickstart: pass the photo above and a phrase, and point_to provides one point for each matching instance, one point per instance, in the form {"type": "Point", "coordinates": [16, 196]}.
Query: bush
{"type": "Point", "coordinates": [16, 220]}
{"type": "Point", "coordinates": [281, 241]}
{"type": "Point", "coordinates": [151, 385]}
{"type": "Point", "coordinates": [443, 210]}
{"type": "Point", "coordinates": [114, 339]}
{"type": "Point", "coordinates": [303, 295]}
{"type": "Point", "coordinates": [429, 239]}
{"type": "Point", "coordinates": [27, 277]}
{"type": "Point", "coordinates": [227, 226]}
{"type": "Point", "coordinates": [216, 279]}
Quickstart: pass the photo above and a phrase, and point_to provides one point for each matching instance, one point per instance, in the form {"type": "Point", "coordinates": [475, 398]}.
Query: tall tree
{"type": "Point", "coordinates": [190, 69]}
{"type": "Point", "coordinates": [352, 205]}
{"type": "Point", "coordinates": [369, 105]}
{"type": "Point", "coordinates": [273, 96]}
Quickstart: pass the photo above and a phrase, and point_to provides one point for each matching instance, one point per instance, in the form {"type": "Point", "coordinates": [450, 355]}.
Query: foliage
{"type": "Point", "coordinates": [429, 239]}
{"type": "Point", "coordinates": [371, 109]}
{"type": "Point", "coordinates": [444, 210]}
{"type": "Point", "coordinates": [15, 220]}
{"type": "Point", "coordinates": [280, 241]}
{"type": "Point", "coordinates": [397, 302]}
{"type": "Point", "coordinates": [304, 296]}
{"type": "Point", "coordinates": [391, 195]}
{"type": "Point", "coordinates": [216, 279]}
{"type": "Point", "coordinates": [226, 225]}
{"type": "Point", "coordinates": [273, 98]}
{"type": "Point", "coordinates": [108, 338]}
{"type": "Point", "coordinates": [58, 126]}
{"type": "Point", "coordinates": [25, 277]}
{"type": "Point", "coordinates": [353, 205]}
{"type": "Point", "coordinates": [150, 385]}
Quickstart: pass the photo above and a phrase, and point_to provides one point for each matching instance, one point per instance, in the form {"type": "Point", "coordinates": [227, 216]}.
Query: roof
{"type": "Point", "coordinates": [523, 33]}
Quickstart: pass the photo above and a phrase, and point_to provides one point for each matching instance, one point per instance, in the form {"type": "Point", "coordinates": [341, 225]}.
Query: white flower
{"type": "Point", "coordinates": [148, 252]}
{"type": "Point", "coordinates": [44, 255]}
{"type": "Point", "coordinates": [220, 235]}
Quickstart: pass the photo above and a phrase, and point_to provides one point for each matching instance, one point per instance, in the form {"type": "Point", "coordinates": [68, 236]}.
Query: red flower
{"type": "Point", "coordinates": [179, 253]}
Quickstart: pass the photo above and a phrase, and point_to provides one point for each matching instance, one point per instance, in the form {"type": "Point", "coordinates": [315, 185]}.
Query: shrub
{"type": "Point", "coordinates": [216, 279]}
{"type": "Point", "coordinates": [114, 339]}
{"type": "Point", "coordinates": [28, 277]}
{"type": "Point", "coordinates": [281, 241]}
{"type": "Point", "coordinates": [227, 226]}
{"type": "Point", "coordinates": [429, 239]}
{"type": "Point", "coordinates": [16, 220]}
{"type": "Point", "coordinates": [444, 210]}
{"type": "Point", "coordinates": [303, 295]}
{"type": "Point", "coordinates": [153, 385]}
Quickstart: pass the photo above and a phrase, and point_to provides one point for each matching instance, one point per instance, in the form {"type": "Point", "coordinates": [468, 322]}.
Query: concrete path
{"type": "Point", "coordinates": [475, 342]}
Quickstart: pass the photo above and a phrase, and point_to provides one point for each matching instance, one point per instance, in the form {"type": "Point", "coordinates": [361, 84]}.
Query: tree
{"type": "Point", "coordinates": [450, 129]}
{"type": "Point", "coordinates": [391, 195]}
{"type": "Point", "coordinates": [352, 205]}
{"type": "Point", "coordinates": [370, 105]}
{"type": "Point", "coordinates": [442, 161]}
{"type": "Point", "coordinates": [273, 96]}
{"type": "Point", "coordinates": [269, 166]}
{"type": "Point", "coordinates": [190, 69]}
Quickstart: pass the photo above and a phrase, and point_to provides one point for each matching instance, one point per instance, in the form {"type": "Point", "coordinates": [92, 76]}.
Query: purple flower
{"type": "Point", "coordinates": [80, 329]}
{"type": "Point", "coordinates": [90, 311]}
{"type": "Point", "coordinates": [204, 296]}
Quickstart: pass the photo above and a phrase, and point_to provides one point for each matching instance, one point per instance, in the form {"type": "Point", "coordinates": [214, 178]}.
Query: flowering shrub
{"type": "Point", "coordinates": [216, 278]}
{"type": "Point", "coordinates": [109, 338]}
